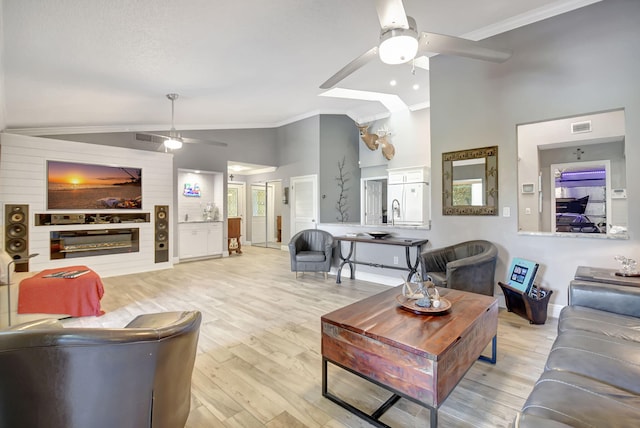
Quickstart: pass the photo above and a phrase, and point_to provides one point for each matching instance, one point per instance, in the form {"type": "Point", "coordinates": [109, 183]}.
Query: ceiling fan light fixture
{"type": "Point", "coordinates": [398, 49]}
{"type": "Point", "coordinates": [172, 144]}
{"type": "Point", "coordinates": [399, 45]}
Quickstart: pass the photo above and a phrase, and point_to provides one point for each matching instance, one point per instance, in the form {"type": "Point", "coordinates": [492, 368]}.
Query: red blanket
{"type": "Point", "coordinates": [77, 297]}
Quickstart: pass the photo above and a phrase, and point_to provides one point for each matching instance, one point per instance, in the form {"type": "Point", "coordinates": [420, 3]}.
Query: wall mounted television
{"type": "Point", "coordinates": [81, 186]}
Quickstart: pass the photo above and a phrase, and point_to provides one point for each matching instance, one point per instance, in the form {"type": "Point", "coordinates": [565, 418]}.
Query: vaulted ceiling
{"type": "Point", "coordinates": [107, 65]}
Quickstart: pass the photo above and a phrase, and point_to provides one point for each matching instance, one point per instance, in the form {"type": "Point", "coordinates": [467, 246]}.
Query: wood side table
{"type": "Point", "coordinates": [234, 226]}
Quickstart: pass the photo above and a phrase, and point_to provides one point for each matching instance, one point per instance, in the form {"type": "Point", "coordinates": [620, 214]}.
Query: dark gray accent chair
{"type": "Point", "coordinates": [467, 266]}
{"type": "Point", "coordinates": [132, 377]}
{"type": "Point", "coordinates": [311, 250]}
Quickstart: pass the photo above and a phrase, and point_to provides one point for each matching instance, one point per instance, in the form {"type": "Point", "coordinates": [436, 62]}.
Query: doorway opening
{"type": "Point", "coordinates": [266, 214]}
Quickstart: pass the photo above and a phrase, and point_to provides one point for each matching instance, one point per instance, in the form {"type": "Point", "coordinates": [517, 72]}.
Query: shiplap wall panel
{"type": "Point", "coordinates": [23, 180]}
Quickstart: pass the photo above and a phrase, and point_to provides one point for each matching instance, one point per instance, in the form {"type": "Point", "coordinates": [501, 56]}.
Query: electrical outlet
{"type": "Point", "coordinates": [395, 260]}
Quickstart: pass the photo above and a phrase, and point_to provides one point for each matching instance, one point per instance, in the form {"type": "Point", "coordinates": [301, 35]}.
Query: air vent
{"type": "Point", "coordinates": [580, 127]}
{"type": "Point", "coordinates": [150, 138]}
{"type": "Point", "coordinates": [144, 137]}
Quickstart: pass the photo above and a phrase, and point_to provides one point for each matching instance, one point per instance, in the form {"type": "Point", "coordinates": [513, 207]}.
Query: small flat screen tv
{"type": "Point", "coordinates": [81, 186]}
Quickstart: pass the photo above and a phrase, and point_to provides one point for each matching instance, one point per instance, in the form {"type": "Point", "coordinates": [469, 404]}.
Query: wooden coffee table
{"type": "Point", "coordinates": [417, 357]}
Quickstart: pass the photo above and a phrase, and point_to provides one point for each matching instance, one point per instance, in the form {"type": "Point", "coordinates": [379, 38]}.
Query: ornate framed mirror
{"type": "Point", "coordinates": [470, 182]}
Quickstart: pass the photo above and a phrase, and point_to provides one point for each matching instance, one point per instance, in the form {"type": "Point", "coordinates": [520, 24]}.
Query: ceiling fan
{"type": "Point", "coordinates": [174, 140]}
{"type": "Point", "coordinates": [400, 42]}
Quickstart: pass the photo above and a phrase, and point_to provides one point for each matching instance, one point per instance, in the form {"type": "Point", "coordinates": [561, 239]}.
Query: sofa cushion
{"type": "Point", "coordinates": [578, 318]}
{"type": "Point", "coordinates": [579, 401]}
{"type": "Point", "coordinates": [602, 358]}
{"type": "Point", "coordinates": [526, 420]}
{"type": "Point", "coordinates": [310, 256]}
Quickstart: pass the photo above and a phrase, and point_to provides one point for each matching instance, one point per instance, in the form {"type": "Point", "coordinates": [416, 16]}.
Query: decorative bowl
{"type": "Point", "coordinates": [378, 235]}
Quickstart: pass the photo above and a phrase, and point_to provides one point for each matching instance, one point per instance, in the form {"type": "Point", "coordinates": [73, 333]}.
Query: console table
{"type": "Point", "coordinates": [407, 243]}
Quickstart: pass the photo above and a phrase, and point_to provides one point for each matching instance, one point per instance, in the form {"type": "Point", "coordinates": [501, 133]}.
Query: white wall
{"type": "Point", "coordinates": [23, 180]}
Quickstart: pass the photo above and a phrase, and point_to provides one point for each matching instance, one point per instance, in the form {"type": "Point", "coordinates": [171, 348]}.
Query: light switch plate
{"type": "Point", "coordinates": [506, 212]}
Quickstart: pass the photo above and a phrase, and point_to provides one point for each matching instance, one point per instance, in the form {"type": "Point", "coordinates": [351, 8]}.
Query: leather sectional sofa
{"type": "Point", "coordinates": [592, 374]}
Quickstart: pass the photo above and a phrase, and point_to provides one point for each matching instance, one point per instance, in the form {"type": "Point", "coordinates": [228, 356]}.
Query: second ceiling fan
{"type": "Point", "coordinates": [174, 140]}
{"type": "Point", "coordinates": [400, 42]}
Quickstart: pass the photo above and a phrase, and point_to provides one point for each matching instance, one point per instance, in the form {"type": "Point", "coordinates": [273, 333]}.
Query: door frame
{"type": "Point", "coordinates": [363, 199]}
{"type": "Point", "coordinates": [292, 200]}
{"type": "Point", "coordinates": [579, 165]}
{"type": "Point", "coordinates": [242, 212]}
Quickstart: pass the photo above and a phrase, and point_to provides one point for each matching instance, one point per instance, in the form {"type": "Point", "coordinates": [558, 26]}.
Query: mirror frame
{"type": "Point", "coordinates": [491, 176]}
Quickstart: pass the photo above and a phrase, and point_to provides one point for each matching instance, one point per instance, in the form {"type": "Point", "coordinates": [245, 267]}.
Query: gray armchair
{"type": "Point", "coordinates": [467, 266]}
{"type": "Point", "coordinates": [311, 250]}
{"type": "Point", "coordinates": [137, 376]}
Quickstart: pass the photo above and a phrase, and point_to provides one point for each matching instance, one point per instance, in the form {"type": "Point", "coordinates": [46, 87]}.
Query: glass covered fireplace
{"type": "Point", "coordinates": [96, 242]}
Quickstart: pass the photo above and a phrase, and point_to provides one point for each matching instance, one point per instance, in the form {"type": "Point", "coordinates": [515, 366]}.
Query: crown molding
{"type": "Point", "coordinates": [107, 129]}
{"type": "Point", "coordinates": [535, 15]}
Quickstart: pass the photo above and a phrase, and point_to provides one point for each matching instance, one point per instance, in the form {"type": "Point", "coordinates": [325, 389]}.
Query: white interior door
{"type": "Point", "coordinates": [373, 198]}
{"type": "Point", "coordinates": [236, 205]}
{"type": "Point", "coordinates": [258, 214]}
{"type": "Point", "coordinates": [304, 203]}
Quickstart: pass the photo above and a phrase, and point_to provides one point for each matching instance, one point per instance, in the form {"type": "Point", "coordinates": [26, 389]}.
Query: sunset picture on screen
{"type": "Point", "coordinates": [86, 186]}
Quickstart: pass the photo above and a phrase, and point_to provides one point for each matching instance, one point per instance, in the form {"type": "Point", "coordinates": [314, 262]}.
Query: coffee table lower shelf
{"type": "Point", "coordinates": [377, 414]}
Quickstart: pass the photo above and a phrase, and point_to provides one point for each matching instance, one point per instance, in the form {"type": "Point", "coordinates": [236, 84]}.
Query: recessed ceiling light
{"type": "Point", "coordinates": [393, 83]}
{"type": "Point", "coordinates": [197, 171]}
{"type": "Point", "coordinates": [416, 86]}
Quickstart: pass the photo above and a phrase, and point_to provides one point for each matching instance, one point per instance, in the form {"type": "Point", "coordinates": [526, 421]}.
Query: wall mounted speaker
{"type": "Point", "coordinates": [161, 233]}
{"type": "Point", "coordinates": [16, 234]}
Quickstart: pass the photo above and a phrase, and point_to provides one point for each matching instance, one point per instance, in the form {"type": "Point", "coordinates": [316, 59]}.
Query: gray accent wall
{"type": "Point", "coordinates": [579, 62]}
{"type": "Point", "coordinates": [338, 140]}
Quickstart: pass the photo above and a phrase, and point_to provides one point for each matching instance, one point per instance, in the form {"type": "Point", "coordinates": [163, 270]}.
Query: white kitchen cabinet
{"type": "Point", "coordinates": [409, 175]}
{"type": "Point", "coordinates": [408, 196]}
{"type": "Point", "coordinates": [199, 239]}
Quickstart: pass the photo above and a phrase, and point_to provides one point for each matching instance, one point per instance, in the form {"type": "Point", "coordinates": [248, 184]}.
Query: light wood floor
{"type": "Point", "coordinates": [259, 362]}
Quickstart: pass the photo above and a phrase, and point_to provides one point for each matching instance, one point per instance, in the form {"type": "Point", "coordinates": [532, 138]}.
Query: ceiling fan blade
{"type": "Point", "coordinates": [391, 14]}
{"type": "Point", "coordinates": [450, 45]}
{"type": "Point", "coordinates": [210, 142]}
{"type": "Point", "coordinates": [160, 139]}
{"type": "Point", "coordinates": [348, 69]}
